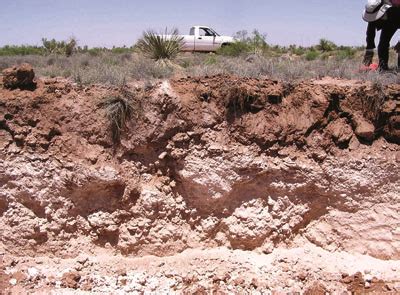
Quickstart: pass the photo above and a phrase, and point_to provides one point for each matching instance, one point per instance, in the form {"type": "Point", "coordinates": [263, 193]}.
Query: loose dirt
{"type": "Point", "coordinates": [218, 185]}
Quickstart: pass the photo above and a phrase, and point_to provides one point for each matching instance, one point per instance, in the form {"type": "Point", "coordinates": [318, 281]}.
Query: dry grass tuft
{"type": "Point", "coordinates": [119, 109]}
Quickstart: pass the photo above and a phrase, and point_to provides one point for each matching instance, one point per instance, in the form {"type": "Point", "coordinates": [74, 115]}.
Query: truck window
{"type": "Point", "coordinates": [205, 32]}
{"type": "Point", "coordinates": [191, 31]}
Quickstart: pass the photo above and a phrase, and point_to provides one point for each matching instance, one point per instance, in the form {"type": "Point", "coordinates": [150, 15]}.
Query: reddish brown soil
{"type": "Point", "coordinates": [282, 181]}
{"type": "Point", "coordinates": [271, 112]}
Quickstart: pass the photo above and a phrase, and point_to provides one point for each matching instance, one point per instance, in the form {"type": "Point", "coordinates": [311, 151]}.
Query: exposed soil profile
{"type": "Point", "coordinates": [214, 185]}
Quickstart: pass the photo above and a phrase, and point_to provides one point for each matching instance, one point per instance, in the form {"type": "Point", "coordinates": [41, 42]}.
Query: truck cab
{"type": "Point", "coordinates": [203, 38]}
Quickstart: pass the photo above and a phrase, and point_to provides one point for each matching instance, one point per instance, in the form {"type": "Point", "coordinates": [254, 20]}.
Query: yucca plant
{"type": "Point", "coordinates": [160, 47]}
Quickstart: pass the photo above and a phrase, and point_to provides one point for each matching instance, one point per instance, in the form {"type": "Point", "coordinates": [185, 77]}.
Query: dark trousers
{"type": "Point", "coordinates": [389, 28]}
{"type": "Point", "coordinates": [387, 34]}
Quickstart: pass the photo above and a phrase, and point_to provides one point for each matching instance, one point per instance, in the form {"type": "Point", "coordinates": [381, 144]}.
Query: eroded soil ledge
{"type": "Point", "coordinates": [235, 184]}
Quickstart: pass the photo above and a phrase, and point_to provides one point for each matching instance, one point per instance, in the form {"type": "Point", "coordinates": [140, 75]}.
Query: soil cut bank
{"type": "Point", "coordinates": [218, 184]}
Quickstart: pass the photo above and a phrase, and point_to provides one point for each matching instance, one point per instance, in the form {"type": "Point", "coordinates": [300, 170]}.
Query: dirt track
{"type": "Point", "coordinates": [264, 186]}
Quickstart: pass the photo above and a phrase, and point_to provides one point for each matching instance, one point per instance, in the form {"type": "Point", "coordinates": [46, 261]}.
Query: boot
{"type": "Point", "coordinates": [383, 66]}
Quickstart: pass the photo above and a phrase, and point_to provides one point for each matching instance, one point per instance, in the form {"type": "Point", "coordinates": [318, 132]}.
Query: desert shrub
{"type": "Point", "coordinates": [297, 50]}
{"type": "Point", "coordinates": [60, 47]}
{"type": "Point", "coordinates": [107, 68]}
{"type": "Point", "coordinates": [188, 60]}
{"type": "Point", "coordinates": [279, 50]}
{"type": "Point", "coordinates": [37, 61]}
{"type": "Point", "coordinates": [110, 68]}
{"type": "Point", "coordinates": [144, 68]}
{"type": "Point", "coordinates": [121, 50]}
{"type": "Point", "coordinates": [119, 110]}
{"type": "Point", "coordinates": [185, 63]}
{"type": "Point", "coordinates": [96, 51]}
{"type": "Point", "coordinates": [326, 45]}
{"type": "Point", "coordinates": [160, 46]}
{"type": "Point", "coordinates": [257, 42]}
{"type": "Point", "coordinates": [325, 55]}
{"type": "Point", "coordinates": [234, 49]}
{"type": "Point", "coordinates": [246, 43]}
{"type": "Point", "coordinates": [290, 70]}
{"type": "Point", "coordinates": [311, 55]}
{"type": "Point", "coordinates": [99, 74]}
{"type": "Point", "coordinates": [211, 59]}
{"type": "Point", "coordinates": [346, 53]}
{"type": "Point", "coordinates": [11, 50]}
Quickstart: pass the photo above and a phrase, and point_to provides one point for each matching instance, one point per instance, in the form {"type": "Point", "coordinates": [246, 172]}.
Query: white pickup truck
{"type": "Point", "coordinates": [202, 38]}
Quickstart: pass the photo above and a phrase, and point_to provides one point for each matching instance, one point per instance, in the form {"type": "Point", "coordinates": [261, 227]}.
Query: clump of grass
{"type": "Point", "coordinates": [119, 110]}
{"type": "Point", "coordinates": [160, 47]}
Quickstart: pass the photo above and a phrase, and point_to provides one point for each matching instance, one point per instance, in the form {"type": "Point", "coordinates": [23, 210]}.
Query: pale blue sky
{"type": "Point", "coordinates": [119, 22]}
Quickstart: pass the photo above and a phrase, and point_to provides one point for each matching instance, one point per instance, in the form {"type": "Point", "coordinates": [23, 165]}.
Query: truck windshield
{"type": "Point", "coordinates": [215, 33]}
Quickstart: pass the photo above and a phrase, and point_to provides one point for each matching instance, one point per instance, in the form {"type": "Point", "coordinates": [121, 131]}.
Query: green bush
{"type": "Point", "coordinates": [119, 50]}
{"type": "Point", "coordinates": [346, 53]}
{"type": "Point", "coordinates": [96, 51]}
{"type": "Point", "coordinates": [297, 50]}
{"type": "Point", "coordinates": [312, 55]}
{"type": "Point", "coordinates": [234, 49]}
{"type": "Point", "coordinates": [254, 43]}
{"type": "Point", "coordinates": [12, 50]}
